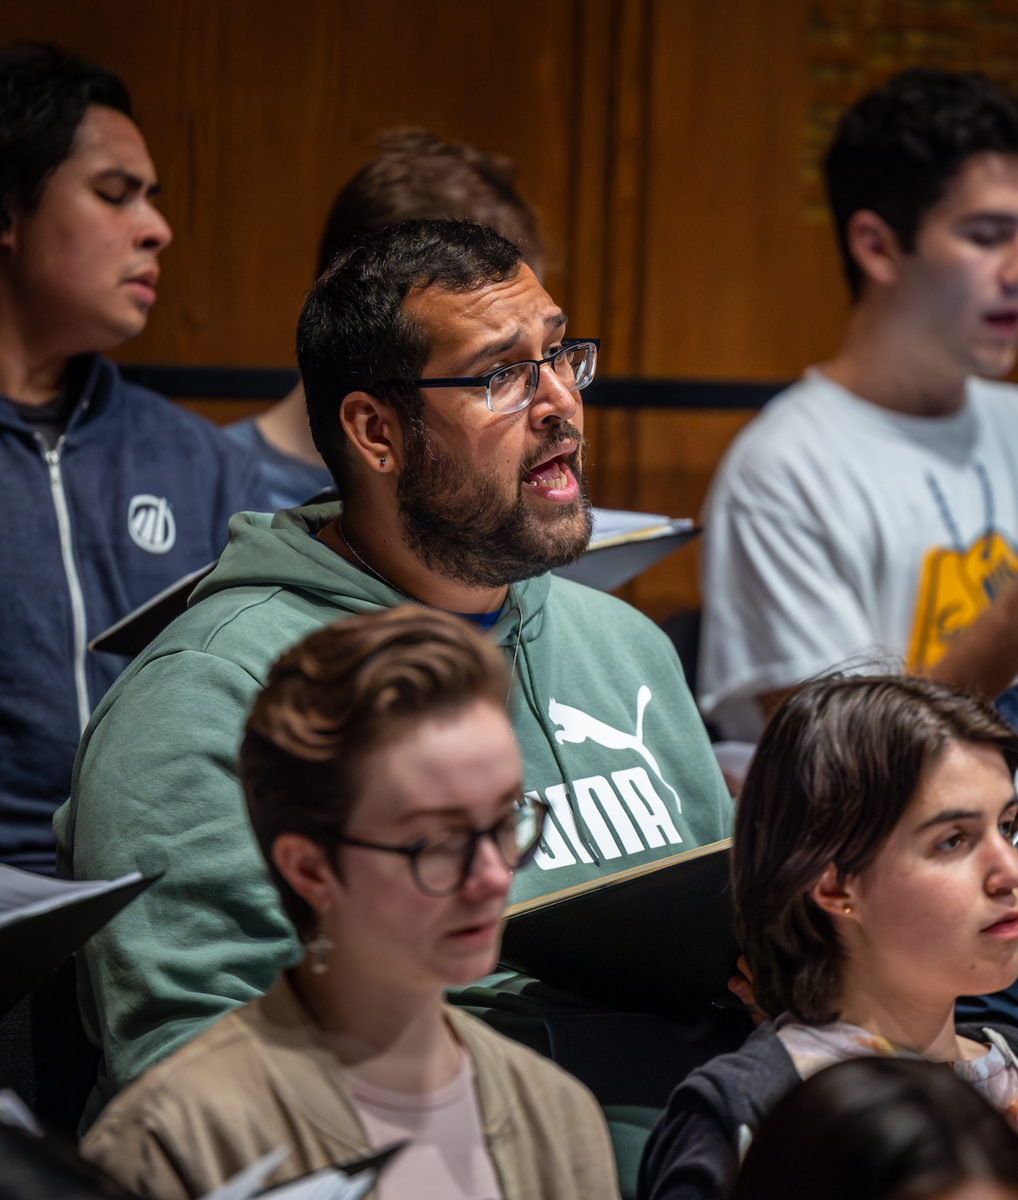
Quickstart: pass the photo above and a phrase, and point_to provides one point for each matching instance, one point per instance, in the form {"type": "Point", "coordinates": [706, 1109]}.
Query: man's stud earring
{"type": "Point", "coordinates": [319, 948]}
{"type": "Point", "coordinates": [381, 462]}
{"type": "Point", "coordinates": [848, 908]}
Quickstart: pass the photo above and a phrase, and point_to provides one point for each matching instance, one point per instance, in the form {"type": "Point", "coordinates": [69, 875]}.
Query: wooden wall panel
{"type": "Point", "coordinates": [669, 146]}
{"type": "Point", "coordinates": [256, 113]}
{"type": "Point", "coordinates": [737, 284]}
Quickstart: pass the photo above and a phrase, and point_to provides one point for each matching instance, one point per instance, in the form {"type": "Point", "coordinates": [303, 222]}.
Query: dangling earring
{"type": "Point", "coordinates": [319, 948]}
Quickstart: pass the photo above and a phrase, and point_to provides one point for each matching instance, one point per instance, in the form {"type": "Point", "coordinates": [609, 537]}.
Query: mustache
{"type": "Point", "coordinates": [560, 434]}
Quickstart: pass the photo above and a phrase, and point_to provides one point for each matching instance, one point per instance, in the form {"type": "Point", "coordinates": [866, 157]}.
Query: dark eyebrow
{"type": "Point", "coordinates": [132, 181]}
{"type": "Point", "coordinates": [448, 813]}
{"type": "Point", "coordinates": [1002, 218]}
{"type": "Point", "coordinates": [492, 349]}
{"type": "Point", "coordinates": [959, 814]}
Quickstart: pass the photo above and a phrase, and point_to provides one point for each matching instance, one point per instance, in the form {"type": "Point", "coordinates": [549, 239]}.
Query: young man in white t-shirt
{"type": "Point", "coordinates": [872, 509]}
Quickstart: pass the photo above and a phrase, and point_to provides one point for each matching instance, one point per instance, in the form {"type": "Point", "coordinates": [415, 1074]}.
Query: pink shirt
{"type": "Point", "coordinates": [446, 1158]}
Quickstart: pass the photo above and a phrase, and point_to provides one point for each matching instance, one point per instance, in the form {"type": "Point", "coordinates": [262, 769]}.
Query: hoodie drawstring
{"type": "Point", "coordinates": [530, 694]}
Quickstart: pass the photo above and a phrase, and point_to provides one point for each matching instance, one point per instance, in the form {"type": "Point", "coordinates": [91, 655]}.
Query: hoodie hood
{"type": "Point", "coordinates": [282, 552]}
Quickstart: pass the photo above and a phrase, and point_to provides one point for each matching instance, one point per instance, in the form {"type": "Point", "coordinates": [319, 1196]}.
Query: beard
{"type": "Point", "coordinates": [471, 527]}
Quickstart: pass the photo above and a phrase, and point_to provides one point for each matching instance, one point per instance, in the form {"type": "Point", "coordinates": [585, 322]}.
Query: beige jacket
{"type": "Point", "coordinates": [258, 1079]}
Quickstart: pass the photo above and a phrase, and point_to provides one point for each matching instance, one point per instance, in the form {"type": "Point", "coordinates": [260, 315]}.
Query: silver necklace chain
{"type": "Point", "coordinates": [413, 599]}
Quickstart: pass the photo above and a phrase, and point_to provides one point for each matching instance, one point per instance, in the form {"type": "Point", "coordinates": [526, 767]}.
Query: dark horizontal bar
{"type": "Point", "coordinates": [679, 393]}
{"type": "Point", "coordinates": [272, 383]}
{"type": "Point", "coordinates": [213, 383]}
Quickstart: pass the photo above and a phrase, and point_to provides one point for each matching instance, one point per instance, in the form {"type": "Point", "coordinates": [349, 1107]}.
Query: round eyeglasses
{"type": "Point", "coordinates": [510, 389]}
{"type": "Point", "coordinates": [441, 862]}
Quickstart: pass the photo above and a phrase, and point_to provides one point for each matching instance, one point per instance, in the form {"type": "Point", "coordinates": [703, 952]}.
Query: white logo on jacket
{"type": "Point", "coordinates": [577, 726]}
{"type": "Point", "coordinates": [623, 815]}
{"type": "Point", "coordinates": [150, 523]}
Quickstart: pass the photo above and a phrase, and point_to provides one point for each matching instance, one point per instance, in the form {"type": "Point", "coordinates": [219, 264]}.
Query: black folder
{"type": "Point", "coordinates": [657, 938]}
{"type": "Point", "coordinates": [37, 936]}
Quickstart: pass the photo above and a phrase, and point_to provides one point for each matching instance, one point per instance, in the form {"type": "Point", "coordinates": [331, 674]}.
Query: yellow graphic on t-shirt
{"type": "Point", "coordinates": [955, 587]}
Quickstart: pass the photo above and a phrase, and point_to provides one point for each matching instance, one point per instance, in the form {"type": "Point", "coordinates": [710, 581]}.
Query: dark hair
{"type": "Point", "coordinates": [878, 1128]}
{"type": "Point", "coordinates": [896, 150]}
{"type": "Point", "coordinates": [354, 334]}
{"type": "Point", "coordinates": [334, 698]}
{"type": "Point", "coordinates": [43, 97]}
{"type": "Point", "coordinates": [834, 771]}
{"type": "Point", "coordinates": [418, 176]}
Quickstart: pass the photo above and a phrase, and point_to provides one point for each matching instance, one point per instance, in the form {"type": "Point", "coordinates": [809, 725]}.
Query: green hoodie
{"type": "Point", "coordinates": [608, 732]}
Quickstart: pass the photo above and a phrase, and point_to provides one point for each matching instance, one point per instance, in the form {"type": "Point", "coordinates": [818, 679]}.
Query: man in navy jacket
{"type": "Point", "coordinates": [108, 492]}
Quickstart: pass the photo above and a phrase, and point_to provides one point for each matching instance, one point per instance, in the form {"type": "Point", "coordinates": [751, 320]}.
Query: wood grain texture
{"type": "Point", "coordinates": [257, 112]}
{"type": "Point", "coordinates": [661, 142]}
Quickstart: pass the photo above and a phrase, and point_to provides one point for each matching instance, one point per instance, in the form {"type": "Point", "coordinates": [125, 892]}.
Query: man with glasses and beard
{"type": "Point", "coordinates": [445, 399]}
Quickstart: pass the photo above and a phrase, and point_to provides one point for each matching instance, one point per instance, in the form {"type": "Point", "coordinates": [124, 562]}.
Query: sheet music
{"type": "Point", "coordinates": [23, 894]}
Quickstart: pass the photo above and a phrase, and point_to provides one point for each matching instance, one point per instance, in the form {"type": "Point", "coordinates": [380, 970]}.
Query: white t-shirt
{"type": "Point", "coordinates": [447, 1158]}
{"type": "Point", "coordinates": [837, 530]}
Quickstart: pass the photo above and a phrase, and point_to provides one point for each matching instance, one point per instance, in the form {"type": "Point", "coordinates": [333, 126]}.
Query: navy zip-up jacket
{"type": "Point", "coordinates": [137, 493]}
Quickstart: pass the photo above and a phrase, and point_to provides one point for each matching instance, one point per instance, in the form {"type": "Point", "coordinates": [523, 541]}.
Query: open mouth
{"type": "Point", "coordinates": [553, 480]}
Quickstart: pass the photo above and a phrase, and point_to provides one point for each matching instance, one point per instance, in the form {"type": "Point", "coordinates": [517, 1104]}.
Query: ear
{"type": "Point", "coordinates": [874, 246]}
{"type": "Point", "coordinates": [304, 866]}
{"type": "Point", "coordinates": [9, 235]}
{"type": "Point", "coordinates": [373, 430]}
{"type": "Point", "coordinates": [832, 894]}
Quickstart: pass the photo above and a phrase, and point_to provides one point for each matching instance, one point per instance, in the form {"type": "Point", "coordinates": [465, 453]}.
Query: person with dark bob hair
{"type": "Point", "coordinates": [385, 789]}
{"type": "Point", "coordinates": [883, 1129]}
{"type": "Point", "coordinates": [874, 878]}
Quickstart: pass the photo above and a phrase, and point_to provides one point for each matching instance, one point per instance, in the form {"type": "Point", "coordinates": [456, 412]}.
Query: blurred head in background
{"type": "Point", "coordinates": [922, 179]}
{"type": "Point", "coordinates": [419, 176]}
{"type": "Point", "coordinates": [883, 1129]}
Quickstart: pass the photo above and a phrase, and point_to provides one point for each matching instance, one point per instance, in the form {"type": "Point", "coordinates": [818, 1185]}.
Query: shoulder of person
{"type": "Point", "coordinates": [190, 1081]}
{"type": "Point", "coordinates": [601, 611]}
{"type": "Point", "coordinates": [150, 412]}
{"type": "Point", "coordinates": [742, 1086]}
{"type": "Point", "coordinates": [789, 432]}
{"type": "Point", "coordinates": [990, 1033]}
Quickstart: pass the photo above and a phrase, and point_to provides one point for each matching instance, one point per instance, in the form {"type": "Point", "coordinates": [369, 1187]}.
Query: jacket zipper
{"type": "Point", "coordinates": [56, 483]}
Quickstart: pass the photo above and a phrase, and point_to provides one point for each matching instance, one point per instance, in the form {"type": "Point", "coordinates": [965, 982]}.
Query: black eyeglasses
{"type": "Point", "coordinates": [441, 862]}
{"type": "Point", "coordinates": [510, 389]}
